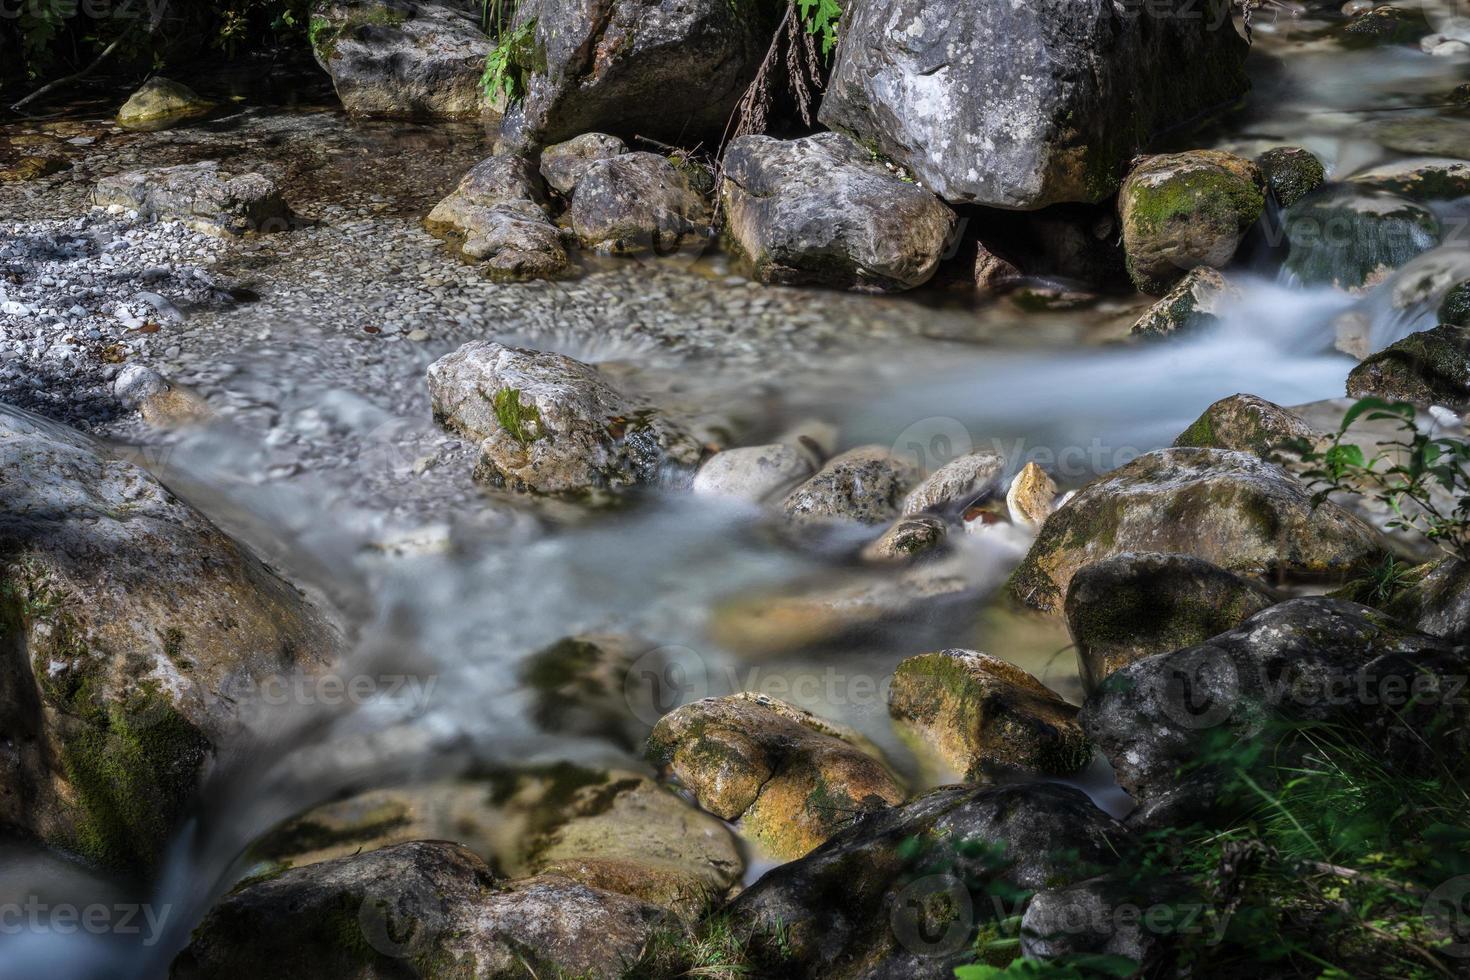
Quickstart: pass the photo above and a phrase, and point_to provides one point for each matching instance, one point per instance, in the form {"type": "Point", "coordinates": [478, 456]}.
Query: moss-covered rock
{"type": "Point", "coordinates": [908, 538]}
{"type": "Point", "coordinates": [1229, 508]}
{"type": "Point", "coordinates": [1352, 236]}
{"type": "Point", "coordinates": [1291, 173]}
{"type": "Point", "coordinates": [1193, 304]}
{"type": "Point", "coordinates": [1419, 179]}
{"type": "Point", "coordinates": [1132, 606]}
{"type": "Point", "coordinates": [1431, 367]}
{"type": "Point", "coordinates": [983, 716]}
{"type": "Point", "coordinates": [128, 619]}
{"type": "Point", "coordinates": [614, 830]}
{"type": "Point", "coordinates": [881, 899]}
{"type": "Point", "coordinates": [1183, 210]}
{"type": "Point", "coordinates": [789, 779]}
{"type": "Point", "coordinates": [1454, 309]}
{"type": "Point", "coordinates": [160, 103]}
{"type": "Point", "coordinates": [1248, 424]}
{"type": "Point", "coordinates": [425, 909]}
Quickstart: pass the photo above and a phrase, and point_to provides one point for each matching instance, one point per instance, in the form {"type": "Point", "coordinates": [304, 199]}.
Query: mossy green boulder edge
{"type": "Point", "coordinates": [126, 619]}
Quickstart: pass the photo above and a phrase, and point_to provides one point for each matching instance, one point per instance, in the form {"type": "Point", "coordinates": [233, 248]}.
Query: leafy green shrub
{"type": "Point", "coordinates": [509, 63]}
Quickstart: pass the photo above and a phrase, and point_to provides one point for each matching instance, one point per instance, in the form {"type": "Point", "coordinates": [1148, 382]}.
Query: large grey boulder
{"type": "Point", "coordinates": [549, 424]}
{"type": "Point", "coordinates": [133, 627]}
{"type": "Point", "coordinates": [498, 215]}
{"type": "Point", "coordinates": [402, 57]}
{"type": "Point", "coordinates": [1025, 105]}
{"type": "Point", "coordinates": [670, 70]}
{"type": "Point", "coordinates": [1230, 508]}
{"type": "Point", "coordinates": [821, 210]}
{"type": "Point", "coordinates": [899, 893]}
{"type": "Point", "coordinates": [564, 163]}
{"type": "Point", "coordinates": [200, 195]}
{"type": "Point", "coordinates": [422, 909]}
{"type": "Point", "coordinates": [638, 202]}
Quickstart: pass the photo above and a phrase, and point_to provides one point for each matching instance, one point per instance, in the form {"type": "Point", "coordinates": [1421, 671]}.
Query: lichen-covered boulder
{"type": "Point", "coordinates": [498, 215]}
{"type": "Point", "coordinates": [662, 69]}
{"type": "Point", "coordinates": [821, 210]}
{"type": "Point", "coordinates": [417, 910]}
{"type": "Point", "coordinates": [563, 164]}
{"type": "Point", "coordinates": [1132, 606]}
{"type": "Point", "coordinates": [1194, 304]}
{"type": "Point", "coordinates": [867, 484]}
{"type": "Point", "coordinates": [159, 103]}
{"type": "Point", "coordinates": [549, 424]}
{"type": "Point", "coordinates": [1291, 173]}
{"type": "Point", "coordinates": [1352, 236]}
{"type": "Point", "coordinates": [754, 473]}
{"type": "Point", "coordinates": [1248, 424]}
{"type": "Point", "coordinates": [1183, 210]}
{"type": "Point", "coordinates": [789, 779]}
{"type": "Point", "coordinates": [407, 58]}
{"type": "Point", "coordinates": [1230, 508]}
{"type": "Point", "coordinates": [900, 893]}
{"type": "Point", "coordinates": [957, 484]}
{"type": "Point", "coordinates": [1313, 660]}
{"type": "Point", "coordinates": [132, 625]}
{"type": "Point", "coordinates": [1021, 106]}
{"type": "Point", "coordinates": [1431, 367]}
{"type": "Point", "coordinates": [983, 716]}
{"type": "Point", "coordinates": [638, 202]}
{"type": "Point", "coordinates": [200, 195]}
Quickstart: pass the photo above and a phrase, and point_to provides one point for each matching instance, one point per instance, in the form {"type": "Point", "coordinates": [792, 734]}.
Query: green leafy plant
{"type": "Point", "coordinates": [1423, 479]}
{"type": "Point", "coordinates": [508, 63]}
{"type": "Point", "coordinates": [1082, 967]}
{"type": "Point", "coordinates": [821, 18]}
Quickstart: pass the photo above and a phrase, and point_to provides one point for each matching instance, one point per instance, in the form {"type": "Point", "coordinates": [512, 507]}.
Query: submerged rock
{"type": "Point", "coordinates": [1291, 173]}
{"type": "Point", "coordinates": [162, 404]}
{"type": "Point", "coordinates": [821, 210]}
{"type": "Point", "coordinates": [1248, 424]}
{"type": "Point", "coordinates": [899, 893]}
{"type": "Point", "coordinates": [159, 103]}
{"type": "Point", "coordinates": [1352, 237]}
{"type": "Point", "coordinates": [1229, 508]}
{"type": "Point", "coordinates": [867, 484]}
{"type": "Point", "coordinates": [1195, 303]}
{"type": "Point", "coordinates": [1431, 367]}
{"type": "Point", "coordinates": [789, 779]}
{"type": "Point", "coordinates": [1132, 606]}
{"type": "Point", "coordinates": [753, 473]}
{"type": "Point", "coordinates": [498, 215]}
{"type": "Point", "coordinates": [1017, 106]}
{"type": "Point", "coordinates": [200, 195]}
{"type": "Point", "coordinates": [552, 425]}
{"type": "Point", "coordinates": [1183, 210]}
{"type": "Point", "coordinates": [32, 167]}
{"type": "Point", "coordinates": [1304, 660]}
{"type": "Point", "coordinates": [638, 202]}
{"type": "Point", "coordinates": [421, 909]}
{"type": "Point", "coordinates": [407, 58]}
{"type": "Point", "coordinates": [130, 619]}
{"type": "Point", "coordinates": [563, 164]}
{"type": "Point", "coordinates": [983, 716]}
{"type": "Point", "coordinates": [662, 69]}
{"type": "Point", "coordinates": [585, 685]}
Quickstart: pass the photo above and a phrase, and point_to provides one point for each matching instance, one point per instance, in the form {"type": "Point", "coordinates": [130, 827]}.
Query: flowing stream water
{"type": "Point", "coordinates": [317, 469]}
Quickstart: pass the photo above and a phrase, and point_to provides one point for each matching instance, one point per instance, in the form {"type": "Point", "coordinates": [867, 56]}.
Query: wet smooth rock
{"type": "Point", "coordinates": [1353, 237]}
{"type": "Point", "coordinates": [1031, 497]}
{"type": "Point", "coordinates": [404, 58]}
{"type": "Point", "coordinates": [1291, 173]}
{"type": "Point", "coordinates": [1184, 210]}
{"type": "Point", "coordinates": [1248, 424]}
{"type": "Point", "coordinates": [957, 484]}
{"type": "Point", "coordinates": [667, 70]}
{"type": "Point", "coordinates": [1229, 508]}
{"type": "Point", "coordinates": [1431, 367]}
{"type": "Point", "coordinates": [753, 473]}
{"type": "Point", "coordinates": [867, 485]}
{"type": "Point", "coordinates": [1195, 303]}
{"type": "Point", "coordinates": [563, 164]}
{"type": "Point", "coordinates": [1016, 106]}
{"type": "Point", "coordinates": [159, 103]}
{"type": "Point", "coordinates": [638, 202]}
{"type": "Point", "coordinates": [983, 716]}
{"type": "Point", "coordinates": [789, 779]}
{"type": "Point", "coordinates": [821, 210]}
{"type": "Point", "coordinates": [908, 538]}
{"type": "Point", "coordinates": [199, 194]}
{"type": "Point", "coordinates": [498, 214]}
{"type": "Point", "coordinates": [1134, 605]}
{"type": "Point", "coordinates": [1420, 179]}
{"type": "Point", "coordinates": [420, 909]}
{"type": "Point", "coordinates": [138, 630]}
{"type": "Point", "coordinates": [549, 424]}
